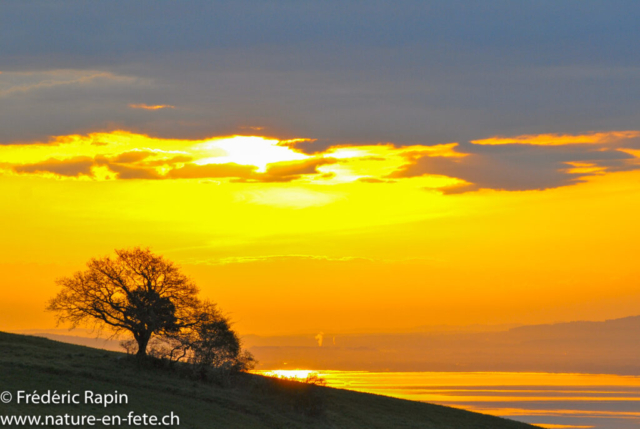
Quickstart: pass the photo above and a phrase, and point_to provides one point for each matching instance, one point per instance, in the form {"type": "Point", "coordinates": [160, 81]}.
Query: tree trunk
{"type": "Point", "coordinates": [143, 341]}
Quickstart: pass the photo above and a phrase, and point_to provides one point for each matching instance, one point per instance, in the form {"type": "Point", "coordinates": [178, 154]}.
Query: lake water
{"type": "Point", "coordinates": [553, 401]}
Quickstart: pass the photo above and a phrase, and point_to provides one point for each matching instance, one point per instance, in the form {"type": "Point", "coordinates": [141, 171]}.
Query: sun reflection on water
{"type": "Point", "coordinates": [552, 401]}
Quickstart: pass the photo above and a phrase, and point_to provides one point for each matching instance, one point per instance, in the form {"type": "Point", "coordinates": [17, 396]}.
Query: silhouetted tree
{"type": "Point", "coordinates": [209, 343]}
{"type": "Point", "coordinates": [136, 292]}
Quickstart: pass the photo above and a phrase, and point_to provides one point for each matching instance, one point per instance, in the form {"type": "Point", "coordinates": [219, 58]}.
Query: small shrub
{"type": "Point", "coordinates": [314, 378]}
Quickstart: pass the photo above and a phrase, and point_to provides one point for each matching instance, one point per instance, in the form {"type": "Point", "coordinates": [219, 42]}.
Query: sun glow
{"type": "Point", "coordinates": [249, 159]}
{"type": "Point", "coordinates": [298, 374]}
{"type": "Point", "coordinates": [366, 216]}
{"type": "Point", "coordinates": [247, 150]}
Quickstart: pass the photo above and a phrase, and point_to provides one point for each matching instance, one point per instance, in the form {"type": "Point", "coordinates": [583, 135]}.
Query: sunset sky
{"type": "Point", "coordinates": [360, 167]}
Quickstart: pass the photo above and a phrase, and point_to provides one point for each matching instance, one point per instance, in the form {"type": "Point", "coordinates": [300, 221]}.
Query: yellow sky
{"type": "Point", "coordinates": [288, 242]}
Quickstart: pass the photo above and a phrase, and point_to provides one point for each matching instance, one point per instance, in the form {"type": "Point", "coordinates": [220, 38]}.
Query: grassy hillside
{"type": "Point", "coordinates": [247, 401]}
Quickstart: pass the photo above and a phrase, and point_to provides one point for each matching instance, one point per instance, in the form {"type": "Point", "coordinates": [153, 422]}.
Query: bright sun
{"type": "Point", "coordinates": [247, 150]}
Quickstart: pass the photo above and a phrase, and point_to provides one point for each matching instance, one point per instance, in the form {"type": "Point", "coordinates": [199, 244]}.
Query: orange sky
{"type": "Point", "coordinates": [339, 240]}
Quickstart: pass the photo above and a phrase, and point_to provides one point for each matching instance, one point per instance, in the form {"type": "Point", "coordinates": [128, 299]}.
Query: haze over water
{"type": "Point", "coordinates": [567, 401]}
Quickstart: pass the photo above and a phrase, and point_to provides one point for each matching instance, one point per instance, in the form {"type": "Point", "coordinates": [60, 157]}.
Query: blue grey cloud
{"type": "Point", "coordinates": [408, 72]}
{"type": "Point", "coordinates": [523, 167]}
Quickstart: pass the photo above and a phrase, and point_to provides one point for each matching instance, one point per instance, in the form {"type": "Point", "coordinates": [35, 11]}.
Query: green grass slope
{"type": "Point", "coordinates": [246, 401]}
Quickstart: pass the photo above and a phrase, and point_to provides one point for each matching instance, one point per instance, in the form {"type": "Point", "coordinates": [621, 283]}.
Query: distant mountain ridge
{"type": "Point", "coordinates": [612, 326]}
{"type": "Point", "coordinates": [608, 347]}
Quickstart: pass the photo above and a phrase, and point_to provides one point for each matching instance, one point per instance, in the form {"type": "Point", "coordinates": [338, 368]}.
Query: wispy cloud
{"type": "Point", "coordinates": [71, 167]}
{"type": "Point", "coordinates": [151, 107]}
{"type": "Point", "coordinates": [272, 258]}
{"type": "Point", "coordinates": [13, 83]}
{"type": "Point", "coordinates": [561, 139]}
